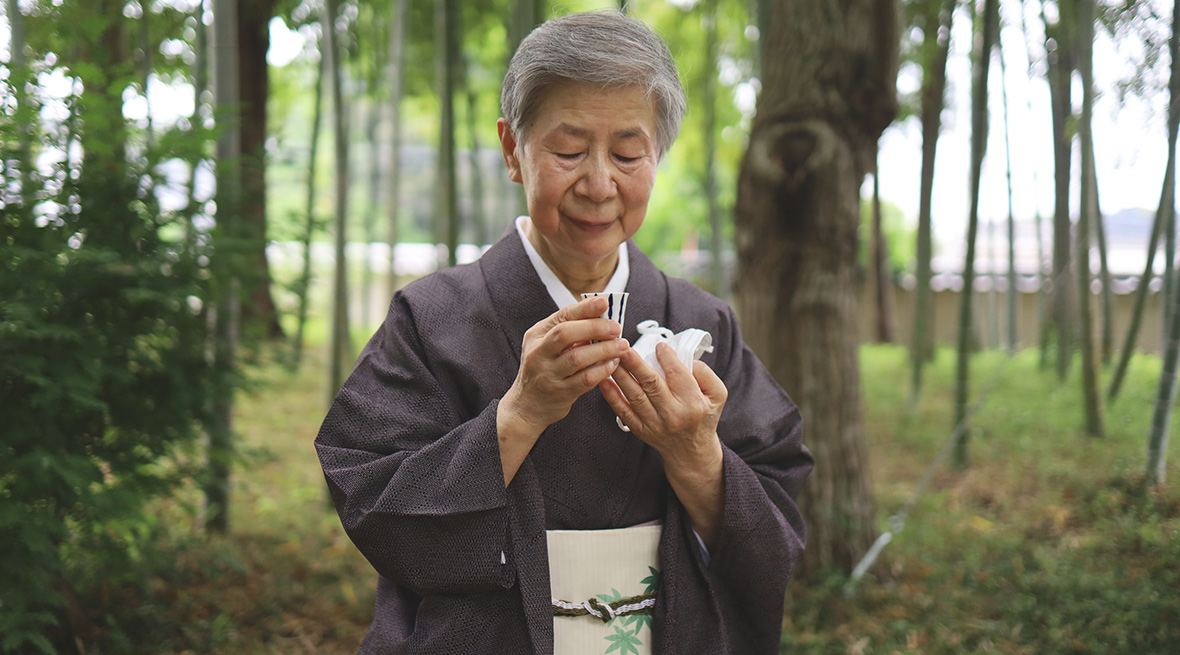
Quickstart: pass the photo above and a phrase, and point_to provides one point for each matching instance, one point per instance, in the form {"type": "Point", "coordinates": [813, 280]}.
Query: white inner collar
{"type": "Point", "coordinates": [562, 296]}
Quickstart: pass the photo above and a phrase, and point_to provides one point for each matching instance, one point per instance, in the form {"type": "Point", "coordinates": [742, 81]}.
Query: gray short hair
{"type": "Point", "coordinates": [605, 49]}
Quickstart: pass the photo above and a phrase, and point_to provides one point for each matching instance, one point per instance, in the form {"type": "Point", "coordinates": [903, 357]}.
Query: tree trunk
{"type": "Point", "coordinates": [303, 287]}
{"type": "Point", "coordinates": [525, 15]}
{"type": "Point", "coordinates": [1087, 216]}
{"type": "Point", "coordinates": [829, 89]}
{"type": "Point", "coordinates": [762, 11]}
{"type": "Point", "coordinates": [479, 221]}
{"type": "Point", "coordinates": [19, 73]}
{"type": "Point", "coordinates": [229, 225]}
{"type": "Point", "coordinates": [882, 282]}
{"type": "Point", "coordinates": [1012, 291]}
{"type": "Point", "coordinates": [341, 346]}
{"type": "Point", "coordinates": [445, 49]}
{"type": "Point", "coordinates": [374, 206]}
{"type": "Point", "coordinates": [1061, 66]}
{"type": "Point", "coordinates": [1165, 400]}
{"type": "Point", "coordinates": [709, 129]}
{"type": "Point", "coordinates": [937, 44]}
{"type": "Point", "coordinates": [979, 126]}
{"type": "Point", "coordinates": [1167, 199]}
{"type": "Point", "coordinates": [1157, 438]}
{"type": "Point", "coordinates": [259, 314]}
{"type": "Point", "coordinates": [1164, 213]}
{"type": "Point", "coordinates": [397, 85]}
{"type": "Point", "coordinates": [200, 85]}
{"type": "Point", "coordinates": [1042, 288]}
{"type": "Point", "coordinates": [1107, 348]}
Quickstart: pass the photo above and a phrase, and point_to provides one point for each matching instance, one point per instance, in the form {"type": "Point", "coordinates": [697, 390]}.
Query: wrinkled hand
{"type": "Point", "coordinates": [558, 364]}
{"type": "Point", "coordinates": [678, 417]}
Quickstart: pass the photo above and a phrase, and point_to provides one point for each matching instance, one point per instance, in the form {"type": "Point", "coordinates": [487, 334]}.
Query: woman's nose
{"type": "Point", "coordinates": [597, 181]}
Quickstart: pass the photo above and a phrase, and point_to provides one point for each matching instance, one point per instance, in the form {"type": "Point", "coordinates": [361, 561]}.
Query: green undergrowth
{"type": "Point", "coordinates": [285, 579]}
{"type": "Point", "coordinates": [1049, 542]}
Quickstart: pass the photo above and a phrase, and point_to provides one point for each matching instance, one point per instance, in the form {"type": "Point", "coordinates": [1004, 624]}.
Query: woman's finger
{"type": "Point", "coordinates": [574, 360]}
{"type": "Point", "coordinates": [649, 380]}
{"type": "Point", "coordinates": [678, 377]}
{"type": "Point", "coordinates": [625, 381]}
{"type": "Point", "coordinates": [618, 402]}
{"type": "Point", "coordinates": [564, 335]}
{"type": "Point", "coordinates": [592, 376]}
{"type": "Point", "coordinates": [710, 384]}
{"type": "Point", "coordinates": [588, 308]}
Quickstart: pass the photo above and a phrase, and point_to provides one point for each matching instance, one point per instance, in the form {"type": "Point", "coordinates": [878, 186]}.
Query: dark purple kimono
{"type": "Point", "coordinates": [410, 453]}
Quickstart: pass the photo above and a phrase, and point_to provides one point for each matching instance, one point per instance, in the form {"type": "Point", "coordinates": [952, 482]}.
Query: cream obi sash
{"type": "Point", "coordinates": [589, 572]}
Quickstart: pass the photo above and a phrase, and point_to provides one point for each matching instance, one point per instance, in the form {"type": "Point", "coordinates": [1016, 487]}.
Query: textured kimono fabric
{"type": "Point", "coordinates": [410, 453]}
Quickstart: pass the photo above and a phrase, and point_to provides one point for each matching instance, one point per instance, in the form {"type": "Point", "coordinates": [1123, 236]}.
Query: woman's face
{"type": "Point", "coordinates": [587, 165]}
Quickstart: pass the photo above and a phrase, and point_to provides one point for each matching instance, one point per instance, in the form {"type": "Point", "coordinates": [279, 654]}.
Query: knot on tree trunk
{"type": "Point", "coordinates": [788, 153]}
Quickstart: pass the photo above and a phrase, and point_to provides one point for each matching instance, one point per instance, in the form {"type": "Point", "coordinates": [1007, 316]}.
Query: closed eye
{"type": "Point", "coordinates": [569, 155]}
{"type": "Point", "coordinates": [627, 160]}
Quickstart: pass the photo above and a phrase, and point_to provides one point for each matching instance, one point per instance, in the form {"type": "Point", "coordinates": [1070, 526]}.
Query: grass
{"type": "Point", "coordinates": [285, 579]}
{"type": "Point", "coordinates": [1048, 543]}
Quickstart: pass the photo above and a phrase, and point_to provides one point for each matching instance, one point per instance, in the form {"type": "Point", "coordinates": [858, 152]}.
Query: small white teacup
{"type": "Point", "coordinates": [616, 304]}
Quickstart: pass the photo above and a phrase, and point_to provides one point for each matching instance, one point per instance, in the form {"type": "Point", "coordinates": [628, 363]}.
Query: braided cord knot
{"type": "Point", "coordinates": [641, 604]}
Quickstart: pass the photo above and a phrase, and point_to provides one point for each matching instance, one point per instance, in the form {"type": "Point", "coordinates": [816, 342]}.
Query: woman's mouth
{"type": "Point", "coordinates": [593, 227]}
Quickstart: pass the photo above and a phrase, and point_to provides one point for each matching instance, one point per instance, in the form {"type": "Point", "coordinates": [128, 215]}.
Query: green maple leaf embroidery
{"type": "Point", "coordinates": [624, 642]}
{"type": "Point", "coordinates": [610, 598]}
{"type": "Point", "coordinates": [652, 581]}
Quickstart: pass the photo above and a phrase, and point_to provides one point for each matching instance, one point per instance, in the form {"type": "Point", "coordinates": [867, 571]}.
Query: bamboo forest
{"type": "Point", "coordinates": [946, 228]}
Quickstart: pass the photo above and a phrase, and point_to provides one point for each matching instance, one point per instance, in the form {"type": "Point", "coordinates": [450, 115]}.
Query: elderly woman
{"type": "Point", "coordinates": [474, 454]}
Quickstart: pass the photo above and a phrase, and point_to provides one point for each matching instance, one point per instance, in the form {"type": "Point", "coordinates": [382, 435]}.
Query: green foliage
{"type": "Point", "coordinates": [1050, 543]}
{"type": "Point", "coordinates": [103, 372]}
{"type": "Point", "coordinates": [286, 579]}
{"type": "Point", "coordinates": [900, 238]}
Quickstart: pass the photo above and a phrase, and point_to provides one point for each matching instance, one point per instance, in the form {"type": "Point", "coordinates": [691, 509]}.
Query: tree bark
{"type": "Point", "coordinates": [1165, 213]}
{"type": "Point", "coordinates": [374, 205]}
{"type": "Point", "coordinates": [303, 288]}
{"type": "Point", "coordinates": [1167, 199]}
{"type": "Point", "coordinates": [260, 314]}
{"type": "Point", "coordinates": [19, 73]}
{"type": "Point", "coordinates": [1107, 347]}
{"type": "Point", "coordinates": [937, 43]}
{"type": "Point", "coordinates": [200, 85]}
{"type": "Point", "coordinates": [709, 129]}
{"type": "Point", "coordinates": [979, 127]}
{"type": "Point", "coordinates": [479, 222]}
{"type": "Point", "coordinates": [397, 84]}
{"type": "Point", "coordinates": [225, 93]}
{"type": "Point", "coordinates": [1012, 291]}
{"type": "Point", "coordinates": [829, 89]}
{"type": "Point", "coordinates": [341, 342]}
{"type": "Point", "coordinates": [1165, 400]}
{"type": "Point", "coordinates": [1087, 216]}
{"type": "Point", "coordinates": [1157, 439]}
{"type": "Point", "coordinates": [882, 282]}
{"type": "Point", "coordinates": [1043, 301]}
{"type": "Point", "coordinates": [445, 50]}
{"type": "Point", "coordinates": [1061, 67]}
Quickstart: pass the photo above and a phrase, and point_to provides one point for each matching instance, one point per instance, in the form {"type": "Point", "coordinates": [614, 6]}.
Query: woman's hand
{"type": "Point", "coordinates": [678, 417]}
{"type": "Point", "coordinates": [558, 364]}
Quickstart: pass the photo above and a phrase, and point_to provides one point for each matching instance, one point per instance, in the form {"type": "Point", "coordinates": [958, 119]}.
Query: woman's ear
{"type": "Point", "coordinates": [508, 148]}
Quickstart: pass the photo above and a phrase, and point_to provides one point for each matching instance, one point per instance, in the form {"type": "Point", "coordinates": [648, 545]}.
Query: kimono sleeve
{"type": "Point", "coordinates": [418, 486]}
{"type": "Point", "coordinates": [765, 466]}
